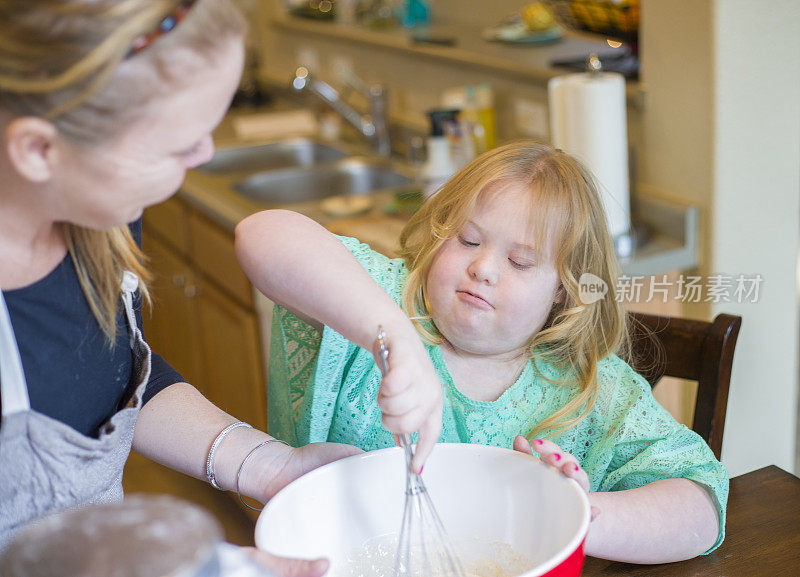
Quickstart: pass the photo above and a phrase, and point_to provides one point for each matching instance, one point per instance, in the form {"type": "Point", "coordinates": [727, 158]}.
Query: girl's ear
{"type": "Point", "coordinates": [29, 143]}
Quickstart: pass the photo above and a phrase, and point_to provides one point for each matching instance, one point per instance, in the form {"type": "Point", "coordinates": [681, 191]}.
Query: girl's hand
{"type": "Point", "coordinates": [552, 454]}
{"type": "Point", "coordinates": [410, 396]}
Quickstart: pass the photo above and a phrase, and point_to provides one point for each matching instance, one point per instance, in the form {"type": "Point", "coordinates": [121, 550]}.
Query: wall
{"type": "Point", "coordinates": [756, 205]}
{"type": "Point", "coordinates": [675, 145]}
{"type": "Point", "coordinates": [721, 129]}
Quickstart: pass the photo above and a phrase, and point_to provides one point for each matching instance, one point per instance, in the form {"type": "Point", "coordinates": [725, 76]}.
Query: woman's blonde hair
{"type": "Point", "coordinates": [566, 214]}
{"type": "Point", "coordinates": [69, 61]}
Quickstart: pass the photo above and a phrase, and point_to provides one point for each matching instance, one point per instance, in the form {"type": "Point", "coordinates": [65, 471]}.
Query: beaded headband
{"type": "Point", "coordinates": [166, 25]}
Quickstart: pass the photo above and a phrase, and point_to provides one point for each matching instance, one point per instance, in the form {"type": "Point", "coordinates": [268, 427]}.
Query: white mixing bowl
{"type": "Point", "coordinates": [483, 495]}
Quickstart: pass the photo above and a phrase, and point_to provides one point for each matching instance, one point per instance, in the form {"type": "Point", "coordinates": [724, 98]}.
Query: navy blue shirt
{"type": "Point", "coordinates": [74, 375]}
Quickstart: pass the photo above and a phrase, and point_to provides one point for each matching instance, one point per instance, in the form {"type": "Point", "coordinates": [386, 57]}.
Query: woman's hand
{"type": "Point", "coordinates": [286, 566]}
{"type": "Point", "coordinates": [270, 471]}
{"type": "Point", "coordinates": [552, 454]}
{"type": "Point", "coordinates": [410, 396]}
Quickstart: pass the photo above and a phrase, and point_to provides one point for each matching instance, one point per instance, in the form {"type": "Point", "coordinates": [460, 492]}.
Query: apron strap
{"type": "Point", "coordinates": [13, 387]}
{"type": "Point", "coordinates": [130, 282]}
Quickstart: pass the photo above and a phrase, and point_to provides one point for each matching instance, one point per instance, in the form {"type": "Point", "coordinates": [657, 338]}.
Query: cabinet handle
{"type": "Point", "coordinates": [179, 280]}
{"type": "Point", "coordinates": [191, 291]}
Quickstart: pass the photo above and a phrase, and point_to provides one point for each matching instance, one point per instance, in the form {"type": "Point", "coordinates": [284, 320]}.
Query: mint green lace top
{"type": "Point", "coordinates": [323, 388]}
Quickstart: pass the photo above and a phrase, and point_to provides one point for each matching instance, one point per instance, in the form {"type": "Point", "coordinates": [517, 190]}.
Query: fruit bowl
{"type": "Point", "coordinates": [506, 513]}
{"type": "Point", "coordinates": [617, 19]}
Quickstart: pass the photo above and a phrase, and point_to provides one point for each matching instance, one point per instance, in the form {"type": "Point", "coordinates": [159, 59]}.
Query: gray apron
{"type": "Point", "coordinates": [46, 465]}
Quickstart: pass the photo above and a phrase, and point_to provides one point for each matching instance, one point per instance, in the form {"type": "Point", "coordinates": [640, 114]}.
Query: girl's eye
{"type": "Point", "coordinates": [466, 242]}
{"type": "Point", "coordinates": [520, 265]}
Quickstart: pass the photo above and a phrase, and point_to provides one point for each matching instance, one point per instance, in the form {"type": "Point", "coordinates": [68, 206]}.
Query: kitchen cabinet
{"type": "Point", "coordinates": [203, 321]}
{"type": "Point", "coordinates": [189, 319]}
{"type": "Point", "coordinates": [231, 355]}
{"type": "Point", "coordinates": [173, 319]}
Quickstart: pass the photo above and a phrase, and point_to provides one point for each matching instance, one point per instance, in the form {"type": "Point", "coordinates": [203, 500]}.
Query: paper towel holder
{"type": "Point", "coordinates": [625, 243]}
{"type": "Point", "coordinates": [593, 63]}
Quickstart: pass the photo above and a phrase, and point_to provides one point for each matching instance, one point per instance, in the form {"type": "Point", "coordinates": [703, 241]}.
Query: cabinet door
{"type": "Point", "coordinates": [169, 221]}
{"type": "Point", "coordinates": [231, 352]}
{"type": "Point", "coordinates": [172, 328]}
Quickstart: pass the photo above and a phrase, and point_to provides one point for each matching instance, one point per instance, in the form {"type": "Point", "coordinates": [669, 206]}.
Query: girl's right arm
{"type": "Point", "coordinates": [302, 267]}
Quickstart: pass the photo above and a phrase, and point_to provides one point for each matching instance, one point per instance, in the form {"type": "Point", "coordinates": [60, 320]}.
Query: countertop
{"type": "Point", "coordinates": [226, 207]}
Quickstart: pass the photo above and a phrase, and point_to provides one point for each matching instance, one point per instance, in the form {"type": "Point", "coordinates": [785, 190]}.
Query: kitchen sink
{"type": "Point", "coordinates": [274, 155]}
{"type": "Point", "coordinates": [353, 175]}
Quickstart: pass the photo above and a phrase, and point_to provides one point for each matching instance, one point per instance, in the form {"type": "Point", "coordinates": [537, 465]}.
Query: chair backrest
{"type": "Point", "coordinates": [689, 349]}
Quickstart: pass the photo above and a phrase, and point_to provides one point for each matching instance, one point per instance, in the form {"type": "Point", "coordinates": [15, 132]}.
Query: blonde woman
{"type": "Point", "coordinates": [104, 105]}
{"type": "Point", "coordinates": [489, 277]}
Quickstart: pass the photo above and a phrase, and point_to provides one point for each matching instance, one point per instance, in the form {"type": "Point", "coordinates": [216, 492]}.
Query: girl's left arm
{"type": "Point", "coordinates": [664, 521]}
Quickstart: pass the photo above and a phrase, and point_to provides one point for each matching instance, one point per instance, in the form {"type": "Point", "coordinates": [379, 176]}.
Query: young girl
{"type": "Point", "coordinates": [489, 278]}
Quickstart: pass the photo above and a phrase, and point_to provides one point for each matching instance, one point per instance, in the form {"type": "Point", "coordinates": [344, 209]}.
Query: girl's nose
{"type": "Point", "coordinates": [483, 269]}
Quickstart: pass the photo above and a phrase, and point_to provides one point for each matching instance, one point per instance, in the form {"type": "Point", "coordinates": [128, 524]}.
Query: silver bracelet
{"type": "Point", "coordinates": [210, 460]}
{"type": "Point", "coordinates": [250, 454]}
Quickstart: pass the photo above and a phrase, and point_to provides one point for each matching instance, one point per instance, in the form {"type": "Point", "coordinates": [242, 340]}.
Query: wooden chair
{"type": "Point", "coordinates": [689, 349]}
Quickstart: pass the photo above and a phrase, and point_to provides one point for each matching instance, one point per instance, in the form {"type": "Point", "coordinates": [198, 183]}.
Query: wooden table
{"type": "Point", "coordinates": [762, 536]}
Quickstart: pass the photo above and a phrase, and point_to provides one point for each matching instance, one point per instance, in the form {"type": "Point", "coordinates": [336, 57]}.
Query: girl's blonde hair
{"type": "Point", "coordinates": [566, 214]}
{"type": "Point", "coordinates": [69, 61]}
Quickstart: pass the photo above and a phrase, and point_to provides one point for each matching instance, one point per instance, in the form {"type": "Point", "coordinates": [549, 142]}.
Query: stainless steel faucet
{"type": "Point", "coordinates": [374, 126]}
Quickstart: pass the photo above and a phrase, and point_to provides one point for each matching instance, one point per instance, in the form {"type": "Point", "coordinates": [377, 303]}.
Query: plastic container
{"type": "Point", "coordinates": [440, 165]}
{"type": "Point", "coordinates": [476, 104]}
{"type": "Point", "coordinates": [416, 13]}
{"type": "Point", "coordinates": [486, 113]}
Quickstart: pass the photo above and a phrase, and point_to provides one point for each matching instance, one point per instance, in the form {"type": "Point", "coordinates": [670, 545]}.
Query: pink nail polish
{"type": "Point", "coordinates": [420, 469]}
{"type": "Point", "coordinates": [557, 457]}
{"type": "Point", "coordinates": [539, 442]}
{"type": "Point", "coordinates": [577, 468]}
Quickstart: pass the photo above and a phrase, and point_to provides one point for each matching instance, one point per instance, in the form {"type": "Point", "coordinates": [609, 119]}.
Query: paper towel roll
{"type": "Point", "coordinates": [588, 120]}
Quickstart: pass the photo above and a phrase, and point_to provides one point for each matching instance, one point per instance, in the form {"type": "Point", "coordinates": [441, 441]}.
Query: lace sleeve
{"type": "Point", "coordinates": [389, 273]}
{"type": "Point", "coordinates": [294, 346]}
{"type": "Point", "coordinates": [308, 371]}
{"type": "Point", "coordinates": [647, 443]}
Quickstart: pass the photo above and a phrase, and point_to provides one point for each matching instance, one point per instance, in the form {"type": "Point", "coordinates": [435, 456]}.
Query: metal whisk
{"type": "Point", "coordinates": [424, 549]}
